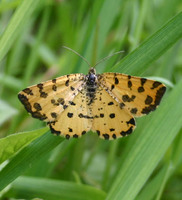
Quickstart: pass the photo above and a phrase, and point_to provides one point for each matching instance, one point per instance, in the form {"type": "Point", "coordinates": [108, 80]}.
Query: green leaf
{"type": "Point", "coordinates": [152, 48]}
{"type": "Point", "coordinates": [27, 157]}
{"type": "Point", "coordinates": [152, 187]}
{"type": "Point", "coordinates": [148, 149]}
{"type": "Point", "coordinates": [14, 28]}
{"type": "Point", "coordinates": [28, 188]}
{"type": "Point", "coordinates": [12, 143]}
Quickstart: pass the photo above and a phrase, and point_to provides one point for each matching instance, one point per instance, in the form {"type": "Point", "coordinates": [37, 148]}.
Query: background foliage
{"type": "Point", "coordinates": [34, 163]}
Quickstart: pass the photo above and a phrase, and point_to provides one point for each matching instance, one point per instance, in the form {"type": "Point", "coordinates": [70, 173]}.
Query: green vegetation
{"type": "Point", "coordinates": [36, 164]}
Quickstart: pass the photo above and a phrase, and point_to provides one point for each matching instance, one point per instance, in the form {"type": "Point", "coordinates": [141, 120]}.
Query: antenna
{"type": "Point", "coordinates": [77, 54]}
{"type": "Point", "coordinates": [103, 59]}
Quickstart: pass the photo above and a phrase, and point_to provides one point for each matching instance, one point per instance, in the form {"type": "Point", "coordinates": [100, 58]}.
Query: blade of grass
{"type": "Point", "coordinates": [10, 82]}
{"type": "Point", "coordinates": [13, 143]}
{"type": "Point", "coordinates": [103, 21]}
{"type": "Point", "coordinates": [138, 23]}
{"type": "Point", "coordinates": [164, 181]}
{"type": "Point", "coordinates": [28, 188]}
{"type": "Point", "coordinates": [9, 5]}
{"type": "Point", "coordinates": [58, 154]}
{"type": "Point", "coordinates": [27, 156]}
{"type": "Point", "coordinates": [147, 151]}
{"type": "Point", "coordinates": [6, 112]}
{"type": "Point", "coordinates": [152, 48]}
{"type": "Point", "coordinates": [110, 160]}
{"type": "Point", "coordinates": [15, 26]}
{"type": "Point", "coordinates": [152, 187]}
{"type": "Point", "coordinates": [33, 58]}
{"type": "Point", "coordinates": [108, 14]}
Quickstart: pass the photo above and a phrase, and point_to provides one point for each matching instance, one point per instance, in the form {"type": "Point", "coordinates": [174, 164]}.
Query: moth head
{"type": "Point", "coordinates": [91, 78]}
{"type": "Point", "coordinates": [92, 71]}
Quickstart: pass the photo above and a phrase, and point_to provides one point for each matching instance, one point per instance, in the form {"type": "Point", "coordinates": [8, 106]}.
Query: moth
{"type": "Point", "coordinates": [105, 103]}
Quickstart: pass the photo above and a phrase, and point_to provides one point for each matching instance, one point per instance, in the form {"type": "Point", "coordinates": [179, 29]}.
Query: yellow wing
{"type": "Point", "coordinates": [139, 95]}
{"type": "Point", "coordinates": [75, 120]}
{"type": "Point", "coordinates": [110, 120]}
{"type": "Point", "coordinates": [47, 100]}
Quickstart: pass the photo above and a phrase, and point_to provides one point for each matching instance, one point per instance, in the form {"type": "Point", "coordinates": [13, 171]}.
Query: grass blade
{"type": "Point", "coordinates": [152, 48]}
{"type": "Point", "coordinates": [14, 27]}
{"type": "Point", "coordinates": [6, 111]}
{"type": "Point", "coordinates": [28, 188]}
{"type": "Point", "coordinates": [13, 143]}
{"type": "Point", "coordinates": [27, 156]}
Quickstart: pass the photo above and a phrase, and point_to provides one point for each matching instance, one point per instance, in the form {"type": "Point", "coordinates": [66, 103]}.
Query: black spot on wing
{"type": "Point", "coordinates": [61, 101]}
{"type": "Point", "coordinates": [54, 115]}
{"type": "Point", "coordinates": [42, 94]}
{"type": "Point", "coordinates": [72, 88]}
{"type": "Point", "coordinates": [40, 86]}
{"type": "Point", "coordinates": [85, 116]}
{"type": "Point", "coordinates": [72, 103]}
{"type": "Point", "coordinates": [134, 110]}
{"type": "Point", "coordinates": [143, 81]}
{"type": "Point", "coordinates": [129, 84]}
{"type": "Point", "coordinates": [110, 103]}
{"type": "Point", "coordinates": [70, 115]}
{"type": "Point", "coordinates": [116, 80]}
{"type": "Point", "coordinates": [38, 115]}
{"type": "Point", "coordinates": [112, 87]}
{"type": "Point", "coordinates": [65, 106]}
{"type": "Point", "coordinates": [70, 129]}
{"type": "Point", "coordinates": [54, 88]}
{"type": "Point", "coordinates": [106, 136]}
{"type": "Point", "coordinates": [114, 136]}
{"type": "Point", "coordinates": [112, 115]}
{"type": "Point", "coordinates": [129, 131]}
{"type": "Point", "coordinates": [159, 95]}
{"type": "Point", "coordinates": [141, 89]}
{"type": "Point", "coordinates": [98, 132]}
{"type": "Point", "coordinates": [54, 131]}
{"type": "Point", "coordinates": [37, 106]}
{"type": "Point", "coordinates": [148, 100]}
{"type": "Point", "coordinates": [121, 105]}
{"type": "Point", "coordinates": [25, 102]}
{"type": "Point", "coordinates": [67, 136]}
{"type": "Point", "coordinates": [131, 121]}
{"type": "Point", "coordinates": [126, 98]}
{"type": "Point", "coordinates": [53, 101]}
{"type": "Point", "coordinates": [75, 136]}
{"type": "Point", "coordinates": [155, 84]}
{"type": "Point", "coordinates": [67, 83]}
{"type": "Point", "coordinates": [28, 91]}
{"type": "Point", "coordinates": [83, 132]}
{"type": "Point", "coordinates": [54, 80]}
{"type": "Point", "coordinates": [148, 109]}
{"type": "Point", "coordinates": [101, 115]}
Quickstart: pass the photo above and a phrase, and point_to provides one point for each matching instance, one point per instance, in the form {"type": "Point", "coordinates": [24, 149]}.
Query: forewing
{"type": "Point", "coordinates": [74, 121]}
{"type": "Point", "coordinates": [47, 100]}
{"type": "Point", "coordinates": [110, 120]}
{"type": "Point", "coordinates": [139, 95]}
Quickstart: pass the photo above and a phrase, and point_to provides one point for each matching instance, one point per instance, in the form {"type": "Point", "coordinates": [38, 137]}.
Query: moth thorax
{"type": "Point", "coordinates": [91, 80]}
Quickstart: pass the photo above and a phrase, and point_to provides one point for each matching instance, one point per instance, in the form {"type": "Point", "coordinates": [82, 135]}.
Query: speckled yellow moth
{"type": "Point", "coordinates": [105, 103]}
